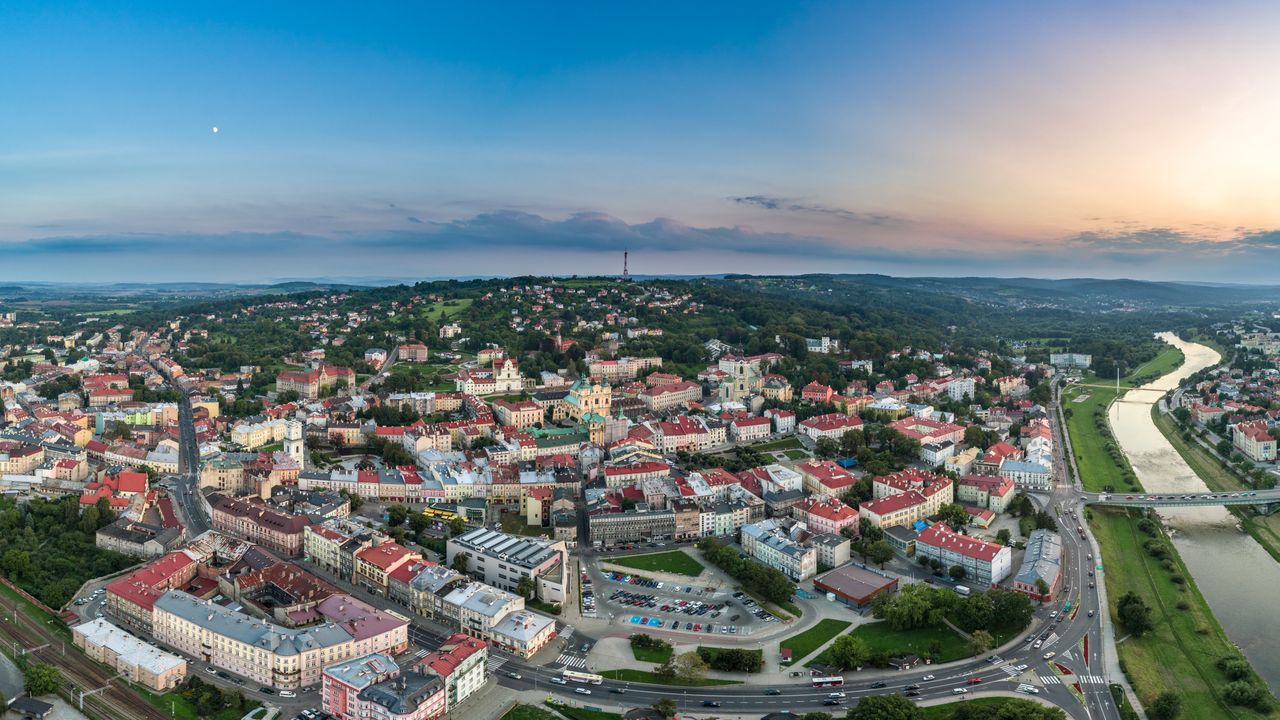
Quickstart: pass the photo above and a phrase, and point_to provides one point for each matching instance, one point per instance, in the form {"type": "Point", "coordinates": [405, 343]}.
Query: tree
{"type": "Point", "coordinates": [849, 652]}
{"type": "Point", "coordinates": [885, 707]}
{"type": "Point", "coordinates": [954, 515]}
{"type": "Point", "coordinates": [1003, 537]}
{"type": "Point", "coordinates": [457, 526]}
{"type": "Point", "coordinates": [666, 707]}
{"type": "Point", "coordinates": [879, 552]}
{"type": "Point", "coordinates": [956, 572]}
{"type": "Point", "coordinates": [980, 641]}
{"type": "Point", "coordinates": [397, 514]}
{"type": "Point", "coordinates": [1134, 614]}
{"type": "Point", "coordinates": [460, 561]}
{"type": "Point", "coordinates": [42, 679]}
{"type": "Point", "coordinates": [686, 667]}
{"type": "Point", "coordinates": [1042, 587]}
{"type": "Point", "coordinates": [1166, 706]}
{"type": "Point", "coordinates": [525, 588]}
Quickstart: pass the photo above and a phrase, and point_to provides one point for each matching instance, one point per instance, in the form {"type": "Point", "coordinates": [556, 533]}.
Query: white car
{"type": "Point", "coordinates": [559, 681]}
{"type": "Point", "coordinates": [836, 695]}
{"type": "Point", "coordinates": [582, 691]}
{"type": "Point", "coordinates": [926, 678]}
{"type": "Point", "coordinates": [958, 691]}
{"type": "Point", "coordinates": [288, 694]}
{"type": "Point", "coordinates": [1050, 655]}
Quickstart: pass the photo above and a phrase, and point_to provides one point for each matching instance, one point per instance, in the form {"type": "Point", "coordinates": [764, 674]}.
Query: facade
{"type": "Point", "coordinates": [985, 564]}
{"type": "Point", "coordinates": [855, 586]}
{"type": "Point", "coordinates": [833, 550]}
{"type": "Point", "coordinates": [641, 524]}
{"type": "Point", "coordinates": [750, 429]}
{"type": "Point", "coordinates": [1254, 440]}
{"type": "Point", "coordinates": [1030, 475]}
{"type": "Point", "coordinates": [825, 514]}
{"type": "Point", "coordinates": [274, 530]}
{"type": "Point", "coordinates": [501, 560]}
{"type": "Point", "coordinates": [992, 492]}
{"type": "Point", "coordinates": [662, 397]}
{"type": "Point", "coordinates": [832, 426]}
{"type": "Point", "coordinates": [767, 542]}
{"type": "Point", "coordinates": [310, 384]}
{"type": "Point", "coordinates": [373, 686]}
{"type": "Point", "coordinates": [462, 661]}
{"type": "Point", "coordinates": [136, 660]}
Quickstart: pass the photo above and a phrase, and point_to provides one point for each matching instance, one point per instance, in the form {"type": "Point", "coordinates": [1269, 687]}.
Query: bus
{"type": "Point", "coordinates": [1066, 609]}
{"type": "Point", "coordinates": [832, 681]}
{"type": "Point", "coordinates": [581, 677]}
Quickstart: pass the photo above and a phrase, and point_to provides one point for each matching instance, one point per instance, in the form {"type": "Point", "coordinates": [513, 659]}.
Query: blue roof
{"type": "Point", "coordinates": [847, 462]}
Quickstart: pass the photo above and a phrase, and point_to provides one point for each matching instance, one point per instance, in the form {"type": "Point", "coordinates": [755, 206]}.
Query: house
{"type": "Point", "coordinates": [985, 491]}
{"type": "Point", "coordinates": [412, 353]}
{"type": "Point", "coordinates": [1040, 576]}
{"type": "Point", "coordinates": [784, 421]}
{"type": "Point", "coordinates": [984, 563]}
{"type": "Point", "coordinates": [750, 429]}
{"type": "Point", "coordinates": [825, 514]}
{"type": "Point", "coordinates": [831, 425]}
{"type": "Point", "coordinates": [824, 477]}
{"type": "Point", "coordinates": [1254, 440]}
{"type": "Point", "coordinates": [816, 392]}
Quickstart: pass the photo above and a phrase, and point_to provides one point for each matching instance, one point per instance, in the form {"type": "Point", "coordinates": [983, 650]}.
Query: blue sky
{"type": "Point", "coordinates": [406, 139]}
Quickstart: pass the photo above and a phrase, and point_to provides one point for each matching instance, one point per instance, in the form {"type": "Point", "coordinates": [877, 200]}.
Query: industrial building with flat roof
{"type": "Point", "coordinates": [854, 585]}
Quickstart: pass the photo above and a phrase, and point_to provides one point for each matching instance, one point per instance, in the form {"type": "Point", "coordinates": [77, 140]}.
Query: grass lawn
{"type": "Point", "coordinates": [712, 652]}
{"type": "Point", "coordinates": [946, 710]}
{"type": "Point", "coordinates": [437, 310]}
{"type": "Point", "coordinates": [1179, 655]}
{"type": "Point", "coordinates": [514, 524]}
{"type": "Point", "coordinates": [1165, 362]}
{"type": "Point", "coordinates": [184, 710]}
{"type": "Point", "coordinates": [803, 644]}
{"type": "Point", "coordinates": [656, 656]}
{"type": "Point", "coordinates": [644, 676]}
{"type": "Point", "coordinates": [529, 712]}
{"type": "Point", "coordinates": [580, 713]}
{"type": "Point", "coordinates": [787, 607]}
{"type": "Point", "coordinates": [787, 443]}
{"type": "Point", "coordinates": [1264, 528]}
{"type": "Point", "coordinates": [675, 561]}
{"type": "Point", "coordinates": [1097, 467]}
{"type": "Point", "coordinates": [796, 455]}
{"type": "Point", "coordinates": [881, 639]}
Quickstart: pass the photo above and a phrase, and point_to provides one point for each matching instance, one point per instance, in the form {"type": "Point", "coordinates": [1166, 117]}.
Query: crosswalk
{"type": "Point", "coordinates": [1082, 679]}
{"type": "Point", "coordinates": [495, 662]}
{"type": "Point", "coordinates": [572, 661]}
{"type": "Point", "coordinates": [1011, 670]}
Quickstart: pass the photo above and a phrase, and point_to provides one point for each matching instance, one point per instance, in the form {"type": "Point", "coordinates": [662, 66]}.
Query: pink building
{"type": "Point", "coordinates": [825, 514]}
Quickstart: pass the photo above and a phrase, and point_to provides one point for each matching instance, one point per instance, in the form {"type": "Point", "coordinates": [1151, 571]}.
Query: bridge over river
{"type": "Point", "coordinates": [1265, 501]}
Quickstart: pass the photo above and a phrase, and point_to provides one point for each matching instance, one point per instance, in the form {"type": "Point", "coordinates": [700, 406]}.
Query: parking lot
{"type": "Point", "coordinates": [660, 606]}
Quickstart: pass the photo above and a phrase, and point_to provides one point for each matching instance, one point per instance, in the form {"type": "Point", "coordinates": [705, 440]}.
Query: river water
{"type": "Point", "coordinates": [1235, 574]}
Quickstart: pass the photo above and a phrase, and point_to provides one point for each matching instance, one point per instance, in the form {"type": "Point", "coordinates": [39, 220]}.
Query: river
{"type": "Point", "coordinates": [1234, 573]}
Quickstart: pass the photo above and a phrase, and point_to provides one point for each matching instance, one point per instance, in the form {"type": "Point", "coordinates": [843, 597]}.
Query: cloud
{"type": "Point", "coordinates": [414, 220]}
{"type": "Point", "coordinates": [769, 202]}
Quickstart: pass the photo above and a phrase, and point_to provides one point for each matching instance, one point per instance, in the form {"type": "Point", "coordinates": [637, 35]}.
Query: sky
{"type": "Point", "coordinates": [1096, 139]}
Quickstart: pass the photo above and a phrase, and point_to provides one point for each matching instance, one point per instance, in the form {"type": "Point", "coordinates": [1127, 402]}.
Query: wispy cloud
{"type": "Point", "coordinates": [769, 202]}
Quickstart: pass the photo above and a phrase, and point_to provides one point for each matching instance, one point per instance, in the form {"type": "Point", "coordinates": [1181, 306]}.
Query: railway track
{"type": "Point", "coordinates": [118, 701]}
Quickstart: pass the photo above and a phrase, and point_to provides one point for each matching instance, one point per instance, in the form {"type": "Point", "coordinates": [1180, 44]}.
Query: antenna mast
{"type": "Point", "coordinates": [626, 275]}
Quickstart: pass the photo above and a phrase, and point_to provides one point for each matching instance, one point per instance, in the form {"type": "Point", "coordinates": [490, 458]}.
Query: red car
{"type": "Point", "coordinates": [974, 681]}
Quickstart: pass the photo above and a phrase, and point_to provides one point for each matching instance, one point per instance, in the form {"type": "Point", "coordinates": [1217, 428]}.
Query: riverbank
{"type": "Point", "coordinates": [1265, 529]}
{"type": "Point", "coordinates": [1180, 654]}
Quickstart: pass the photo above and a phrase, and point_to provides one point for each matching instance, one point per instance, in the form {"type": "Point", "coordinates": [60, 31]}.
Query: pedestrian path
{"type": "Point", "coordinates": [495, 662]}
{"type": "Point", "coordinates": [572, 661]}
{"type": "Point", "coordinates": [1011, 670]}
{"type": "Point", "coordinates": [1082, 679]}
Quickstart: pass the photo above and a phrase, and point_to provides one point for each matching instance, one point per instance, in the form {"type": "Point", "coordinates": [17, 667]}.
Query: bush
{"type": "Point", "coordinates": [732, 659]}
{"type": "Point", "coordinates": [1234, 668]}
{"type": "Point", "coordinates": [1245, 694]}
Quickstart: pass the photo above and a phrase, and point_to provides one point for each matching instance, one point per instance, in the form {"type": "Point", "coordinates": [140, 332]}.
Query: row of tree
{"type": "Point", "coordinates": [756, 577]}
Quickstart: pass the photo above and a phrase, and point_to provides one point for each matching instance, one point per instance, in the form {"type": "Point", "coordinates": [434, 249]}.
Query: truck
{"type": "Point", "coordinates": [962, 590]}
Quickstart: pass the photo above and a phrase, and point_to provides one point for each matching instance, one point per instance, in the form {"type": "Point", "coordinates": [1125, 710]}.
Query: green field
{"type": "Point", "coordinates": [1179, 655]}
{"type": "Point", "coordinates": [796, 455]}
{"type": "Point", "coordinates": [439, 310]}
{"type": "Point", "coordinates": [514, 524]}
{"type": "Point", "coordinates": [803, 644]}
{"type": "Point", "coordinates": [674, 561]}
{"type": "Point", "coordinates": [529, 712]}
{"type": "Point", "coordinates": [713, 652]}
{"type": "Point", "coordinates": [948, 709]}
{"type": "Point", "coordinates": [883, 640]}
{"type": "Point", "coordinates": [1264, 528]}
{"type": "Point", "coordinates": [644, 676]}
{"type": "Point", "coordinates": [657, 656]}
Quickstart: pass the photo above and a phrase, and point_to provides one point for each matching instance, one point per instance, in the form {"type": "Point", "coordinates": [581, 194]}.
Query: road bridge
{"type": "Point", "coordinates": [1264, 501]}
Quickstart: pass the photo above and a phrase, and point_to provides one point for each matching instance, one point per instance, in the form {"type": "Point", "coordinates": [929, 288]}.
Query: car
{"type": "Point", "coordinates": [773, 691]}
{"type": "Point", "coordinates": [1030, 690]}
{"type": "Point", "coordinates": [993, 659]}
{"type": "Point", "coordinates": [582, 691]}
{"type": "Point", "coordinates": [958, 691]}
{"type": "Point", "coordinates": [926, 678]}
{"type": "Point", "coordinates": [1038, 644]}
{"type": "Point", "coordinates": [224, 675]}
{"type": "Point", "coordinates": [836, 695]}
{"type": "Point", "coordinates": [913, 686]}
{"type": "Point", "coordinates": [288, 694]}
{"type": "Point", "coordinates": [912, 693]}
{"type": "Point", "coordinates": [878, 684]}
{"type": "Point", "coordinates": [1021, 668]}
{"type": "Point", "coordinates": [831, 701]}
{"type": "Point", "coordinates": [559, 681]}
{"type": "Point", "coordinates": [618, 691]}
{"type": "Point", "coordinates": [1050, 655]}
{"type": "Point", "coordinates": [974, 680]}
{"type": "Point", "coordinates": [514, 675]}
{"type": "Point", "coordinates": [1053, 614]}
{"type": "Point", "coordinates": [1090, 613]}
{"type": "Point", "coordinates": [1091, 584]}
{"type": "Point", "coordinates": [267, 691]}
{"type": "Point", "coordinates": [710, 703]}
{"type": "Point", "coordinates": [210, 669]}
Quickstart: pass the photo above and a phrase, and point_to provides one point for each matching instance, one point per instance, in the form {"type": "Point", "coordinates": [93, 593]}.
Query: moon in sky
{"type": "Point", "coordinates": [215, 129]}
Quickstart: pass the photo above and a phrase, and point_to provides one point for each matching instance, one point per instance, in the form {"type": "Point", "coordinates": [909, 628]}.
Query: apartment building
{"type": "Point", "coordinates": [1254, 440]}
{"type": "Point", "coordinates": [768, 542]}
{"type": "Point", "coordinates": [501, 560]}
{"type": "Point", "coordinates": [985, 564]}
{"type": "Point", "coordinates": [129, 656]}
{"type": "Point", "coordinates": [253, 521]}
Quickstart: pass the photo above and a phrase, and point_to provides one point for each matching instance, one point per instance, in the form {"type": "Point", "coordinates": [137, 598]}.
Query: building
{"type": "Point", "coordinates": [985, 491]}
{"type": "Point", "coordinates": [824, 477]}
{"type": "Point", "coordinates": [518, 413]}
{"type": "Point", "coordinates": [985, 564]}
{"type": "Point", "coordinates": [270, 654]}
{"type": "Point", "coordinates": [1075, 361]}
{"type": "Point", "coordinates": [606, 528]}
{"type": "Point", "coordinates": [129, 656]}
{"type": "Point", "coordinates": [1033, 476]}
{"type": "Point", "coordinates": [784, 421]}
{"type": "Point", "coordinates": [462, 662]}
{"type": "Point", "coordinates": [936, 490]}
{"type": "Point", "coordinates": [769, 543]}
{"type": "Point", "coordinates": [662, 397]}
{"type": "Point", "coordinates": [502, 560]}
{"type": "Point", "coordinates": [750, 429]}
{"type": "Point", "coordinates": [131, 599]}
{"type": "Point", "coordinates": [412, 353]}
{"type": "Point", "coordinates": [310, 384]}
{"type": "Point", "coordinates": [1040, 576]}
{"type": "Point", "coordinates": [373, 565]}
{"type": "Point", "coordinates": [1254, 440]}
{"type": "Point", "coordinates": [253, 521]}
{"type": "Point", "coordinates": [373, 686]}
{"type": "Point", "coordinates": [588, 398]}
{"type": "Point", "coordinates": [825, 514]}
{"type": "Point", "coordinates": [832, 426]}
{"type": "Point", "coordinates": [854, 585]}
{"type": "Point", "coordinates": [833, 550]}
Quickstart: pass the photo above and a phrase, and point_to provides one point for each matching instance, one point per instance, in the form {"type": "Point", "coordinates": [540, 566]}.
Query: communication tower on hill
{"type": "Point", "coordinates": [626, 275]}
